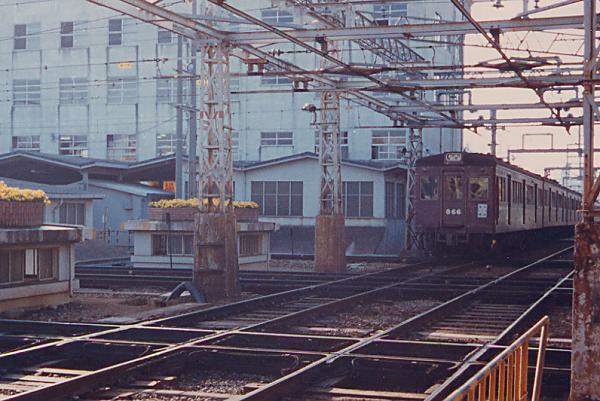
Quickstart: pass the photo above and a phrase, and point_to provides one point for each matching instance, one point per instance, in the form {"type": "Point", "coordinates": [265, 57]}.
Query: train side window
{"type": "Point", "coordinates": [429, 187]}
{"type": "Point", "coordinates": [454, 187]}
{"type": "Point", "coordinates": [478, 188]}
{"type": "Point", "coordinates": [530, 195]}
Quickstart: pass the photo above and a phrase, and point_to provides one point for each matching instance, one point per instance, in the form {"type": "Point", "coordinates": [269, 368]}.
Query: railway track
{"type": "Point", "coordinates": [256, 281]}
{"type": "Point", "coordinates": [409, 333]}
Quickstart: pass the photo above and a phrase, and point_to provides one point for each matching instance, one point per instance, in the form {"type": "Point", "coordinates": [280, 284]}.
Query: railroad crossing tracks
{"type": "Point", "coordinates": [411, 333]}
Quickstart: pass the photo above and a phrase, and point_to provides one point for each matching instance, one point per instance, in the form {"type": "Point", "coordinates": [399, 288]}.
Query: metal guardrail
{"type": "Point", "coordinates": [505, 378]}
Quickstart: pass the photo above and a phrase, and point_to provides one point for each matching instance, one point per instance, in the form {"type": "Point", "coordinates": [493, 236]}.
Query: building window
{"type": "Point", "coordinates": [390, 13]}
{"type": "Point", "coordinates": [27, 143]}
{"type": "Point", "coordinates": [72, 34]}
{"type": "Point", "coordinates": [66, 34]}
{"type": "Point", "coordinates": [235, 145]}
{"type": "Point", "coordinates": [395, 200]}
{"type": "Point", "coordinates": [173, 244]}
{"type": "Point", "coordinates": [164, 36]}
{"type": "Point", "coordinates": [28, 265]}
{"type": "Point", "coordinates": [26, 91]}
{"type": "Point", "coordinates": [120, 147]}
{"type": "Point", "coordinates": [167, 143]}
{"type": "Point", "coordinates": [277, 138]}
{"type": "Point", "coordinates": [278, 198]}
{"type": "Point", "coordinates": [166, 90]}
{"type": "Point", "coordinates": [250, 244]}
{"type": "Point", "coordinates": [73, 145]}
{"type": "Point", "coordinates": [343, 144]}
{"type": "Point", "coordinates": [47, 263]}
{"type": "Point", "coordinates": [388, 144]}
{"type": "Point", "coordinates": [120, 31]}
{"type": "Point", "coordinates": [12, 266]}
{"type": "Point", "coordinates": [122, 91]}
{"type": "Point", "coordinates": [73, 90]}
{"type": "Point", "coordinates": [358, 198]}
{"type": "Point", "coordinates": [72, 213]}
{"type": "Point", "coordinates": [275, 80]}
{"type": "Point", "coordinates": [275, 16]}
{"type": "Point", "coordinates": [27, 36]}
{"type": "Point", "coordinates": [478, 188]}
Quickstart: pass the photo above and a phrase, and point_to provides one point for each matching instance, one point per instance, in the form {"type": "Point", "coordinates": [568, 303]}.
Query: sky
{"type": "Point", "coordinates": [512, 137]}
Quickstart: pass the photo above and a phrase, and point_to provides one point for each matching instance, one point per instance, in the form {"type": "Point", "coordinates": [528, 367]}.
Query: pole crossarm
{"type": "Point", "coordinates": [146, 11]}
{"type": "Point", "coordinates": [409, 30]}
{"type": "Point", "coordinates": [496, 45]}
{"type": "Point", "coordinates": [326, 56]}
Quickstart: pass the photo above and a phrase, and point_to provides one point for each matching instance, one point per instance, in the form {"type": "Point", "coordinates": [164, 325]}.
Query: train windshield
{"type": "Point", "coordinates": [429, 187]}
{"type": "Point", "coordinates": [478, 188]}
{"type": "Point", "coordinates": [454, 187]}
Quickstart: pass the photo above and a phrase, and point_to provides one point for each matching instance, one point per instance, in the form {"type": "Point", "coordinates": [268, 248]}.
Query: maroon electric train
{"type": "Point", "coordinates": [472, 198]}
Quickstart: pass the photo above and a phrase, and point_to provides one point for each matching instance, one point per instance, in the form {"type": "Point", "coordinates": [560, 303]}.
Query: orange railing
{"type": "Point", "coordinates": [505, 378]}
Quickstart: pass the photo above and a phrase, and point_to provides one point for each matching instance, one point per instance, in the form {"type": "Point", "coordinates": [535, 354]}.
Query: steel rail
{"type": "Point", "coordinates": [288, 384]}
{"type": "Point", "coordinates": [86, 380]}
{"type": "Point", "coordinates": [503, 337]}
{"type": "Point", "coordinates": [108, 372]}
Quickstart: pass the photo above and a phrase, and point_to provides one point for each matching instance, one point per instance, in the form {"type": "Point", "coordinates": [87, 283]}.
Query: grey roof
{"type": "Point", "coordinates": [74, 161]}
{"type": "Point", "coordinates": [135, 189]}
{"type": "Point", "coordinates": [380, 165]}
{"type": "Point", "coordinates": [71, 191]}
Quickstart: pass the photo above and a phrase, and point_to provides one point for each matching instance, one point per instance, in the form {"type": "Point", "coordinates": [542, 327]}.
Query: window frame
{"type": "Point", "coordinates": [388, 144]}
{"type": "Point", "coordinates": [27, 92]}
{"type": "Point", "coordinates": [129, 150]}
{"type": "Point", "coordinates": [270, 194]}
{"type": "Point", "coordinates": [363, 195]}
{"type": "Point", "coordinates": [279, 138]}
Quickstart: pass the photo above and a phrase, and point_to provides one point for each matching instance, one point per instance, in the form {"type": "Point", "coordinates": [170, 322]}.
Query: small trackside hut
{"type": "Point", "coordinates": [477, 199]}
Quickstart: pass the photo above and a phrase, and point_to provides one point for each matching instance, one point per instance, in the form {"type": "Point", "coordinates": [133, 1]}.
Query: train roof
{"type": "Point", "coordinates": [480, 159]}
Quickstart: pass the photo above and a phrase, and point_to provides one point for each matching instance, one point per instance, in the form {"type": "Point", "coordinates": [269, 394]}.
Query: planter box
{"type": "Point", "coordinates": [177, 213]}
{"type": "Point", "coordinates": [187, 214]}
{"type": "Point", "coordinates": [21, 214]}
{"type": "Point", "coordinates": [246, 214]}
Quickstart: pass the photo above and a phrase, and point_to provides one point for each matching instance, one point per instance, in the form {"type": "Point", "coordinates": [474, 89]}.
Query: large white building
{"type": "Point", "coordinates": [79, 79]}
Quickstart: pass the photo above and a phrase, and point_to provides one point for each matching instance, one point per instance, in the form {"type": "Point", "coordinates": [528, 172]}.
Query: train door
{"type": "Point", "coordinates": [523, 198]}
{"type": "Point", "coordinates": [535, 203]}
{"type": "Point", "coordinates": [509, 189]}
{"type": "Point", "coordinates": [453, 203]}
{"type": "Point", "coordinates": [550, 204]}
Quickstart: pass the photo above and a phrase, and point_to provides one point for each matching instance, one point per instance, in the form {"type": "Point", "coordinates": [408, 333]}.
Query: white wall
{"type": "Point", "coordinates": [307, 171]}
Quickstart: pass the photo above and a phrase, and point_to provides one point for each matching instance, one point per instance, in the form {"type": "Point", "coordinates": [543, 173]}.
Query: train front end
{"type": "Point", "coordinates": [454, 203]}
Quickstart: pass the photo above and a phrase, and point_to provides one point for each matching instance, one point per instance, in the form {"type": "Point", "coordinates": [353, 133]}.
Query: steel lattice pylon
{"type": "Point", "coordinates": [216, 164]}
{"type": "Point", "coordinates": [329, 154]}
{"type": "Point", "coordinates": [414, 152]}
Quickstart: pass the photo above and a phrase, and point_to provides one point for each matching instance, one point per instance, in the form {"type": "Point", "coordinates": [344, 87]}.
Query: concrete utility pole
{"type": "Point", "coordinates": [330, 243]}
{"type": "Point", "coordinates": [585, 374]}
{"type": "Point", "coordinates": [179, 122]}
{"type": "Point", "coordinates": [216, 261]}
{"type": "Point", "coordinates": [193, 134]}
